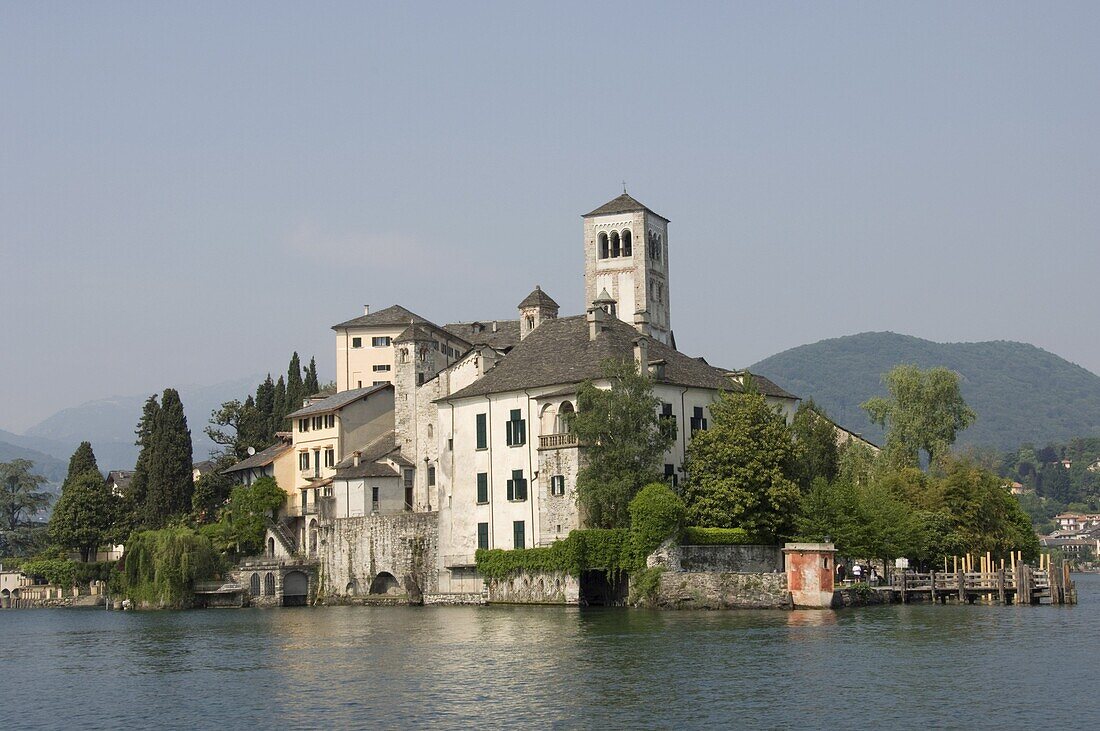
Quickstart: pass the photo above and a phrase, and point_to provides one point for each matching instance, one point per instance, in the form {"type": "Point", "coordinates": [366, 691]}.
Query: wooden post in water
{"type": "Point", "coordinates": [1001, 585]}
{"type": "Point", "coordinates": [960, 581]}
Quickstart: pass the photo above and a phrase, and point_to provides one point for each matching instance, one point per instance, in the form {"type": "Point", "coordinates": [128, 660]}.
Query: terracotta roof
{"type": "Point", "coordinates": [560, 352]}
{"type": "Point", "coordinates": [339, 401]}
{"type": "Point", "coordinates": [538, 298]}
{"type": "Point", "coordinates": [623, 204]}
{"type": "Point", "coordinates": [261, 459]}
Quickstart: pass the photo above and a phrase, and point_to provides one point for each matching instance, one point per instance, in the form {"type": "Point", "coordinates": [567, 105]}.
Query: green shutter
{"type": "Point", "coordinates": [482, 487]}
{"type": "Point", "coordinates": [482, 443]}
{"type": "Point", "coordinates": [518, 537]}
{"type": "Point", "coordinates": [482, 535]}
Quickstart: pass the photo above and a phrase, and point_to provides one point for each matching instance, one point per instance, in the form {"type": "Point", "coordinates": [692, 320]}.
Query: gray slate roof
{"type": "Point", "coordinates": [623, 204]}
{"type": "Point", "coordinates": [481, 333]}
{"type": "Point", "coordinates": [383, 447]}
{"type": "Point", "coordinates": [339, 401]}
{"type": "Point", "coordinates": [538, 298]}
{"type": "Point", "coordinates": [261, 459]}
{"type": "Point", "coordinates": [393, 316]}
{"type": "Point", "coordinates": [559, 352]}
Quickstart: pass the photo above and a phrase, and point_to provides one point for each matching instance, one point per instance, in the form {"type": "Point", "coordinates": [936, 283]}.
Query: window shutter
{"type": "Point", "coordinates": [482, 487]}
{"type": "Point", "coordinates": [481, 441]}
{"type": "Point", "coordinates": [511, 489]}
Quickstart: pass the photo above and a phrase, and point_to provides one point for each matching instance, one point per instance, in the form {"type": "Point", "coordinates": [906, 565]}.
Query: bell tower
{"type": "Point", "coordinates": [626, 254]}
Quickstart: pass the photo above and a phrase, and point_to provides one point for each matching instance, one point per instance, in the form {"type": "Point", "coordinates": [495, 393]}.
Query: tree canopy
{"type": "Point", "coordinates": [84, 517]}
{"type": "Point", "coordinates": [20, 500]}
{"type": "Point", "coordinates": [624, 440]}
{"type": "Point", "coordinates": [169, 465]}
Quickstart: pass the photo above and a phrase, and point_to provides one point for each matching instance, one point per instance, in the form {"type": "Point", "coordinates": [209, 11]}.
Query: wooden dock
{"type": "Point", "coordinates": [1020, 584]}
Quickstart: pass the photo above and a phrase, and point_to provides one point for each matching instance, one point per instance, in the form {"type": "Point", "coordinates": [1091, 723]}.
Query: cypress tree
{"type": "Point", "coordinates": [82, 461]}
{"type": "Point", "coordinates": [295, 388]}
{"type": "Point", "coordinates": [170, 464]}
{"type": "Point", "coordinates": [278, 406]}
{"type": "Point", "coordinates": [139, 484]}
{"type": "Point", "coordinates": [311, 384]}
{"type": "Point", "coordinates": [265, 407]}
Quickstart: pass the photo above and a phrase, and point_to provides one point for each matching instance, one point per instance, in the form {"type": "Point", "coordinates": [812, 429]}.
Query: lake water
{"type": "Point", "coordinates": [915, 666]}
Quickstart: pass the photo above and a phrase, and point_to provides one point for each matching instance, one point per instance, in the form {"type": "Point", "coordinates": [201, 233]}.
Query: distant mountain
{"type": "Point", "coordinates": [1020, 393]}
{"type": "Point", "coordinates": [50, 467]}
{"type": "Point", "coordinates": [109, 424]}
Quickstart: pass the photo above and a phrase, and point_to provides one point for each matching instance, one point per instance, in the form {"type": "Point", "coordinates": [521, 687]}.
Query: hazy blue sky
{"type": "Point", "coordinates": [189, 191]}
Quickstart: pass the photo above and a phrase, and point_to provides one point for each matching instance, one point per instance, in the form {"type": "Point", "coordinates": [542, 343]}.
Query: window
{"type": "Point", "coordinates": [269, 585]}
{"type": "Point", "coordinates": [380, 342]}
{"type": "Point", "coordinates": [698, 423]}
{"type": "Point", "coordinates": [409, 476]}
{"type": "Point", "coordinates": [482, 434]}
{"type": "Point", "coordinates": [482, 535]}
{"type": "Point", "coordinates": [666, 413]}
{"type": "Point", "coordinates": [254, 585]}
{"type": "Point", "coordinates": [517, 487]}
{"type": "Point", "coordinates": [303, 461]}
{"type": "Point", "coordinates": [419, 379]}
{"type": "Point", "coordinates": [483, 487]}
{"type": "Point", "coordinates": [380, 368]}
{"type": "Point", "coordinates": [374, 499]}
{"type": "Point", "coordinates": [517, 534]}
{"type": "Point", "coordinates": [317, 422]}
{"type": "Point", "coordinates": [670, 475]}
{"type": "Point", "coordinates": [303, 425]}
{"type": "Point", "coordinates": [330, 457]}
{"type": "Point", "coordinates": [379, 383]}
{"type": "Point", "coordinates": [515, 431]}
{"type": "Point", "coordinates": [316, 462]}
{"type": "Point", "coordinates": [557, 485]}
{"type": "Point", "coordinates": [330, 421]}
{"type": "Point", "coordinates": [626, 243]}
{"type": "Point", "coordinates": [603, 246]}
{"type": "Point", "coordinates": [357, 342]}
{"type": "Point", "coordinates": [615, 251]}
{"type": "Point", "coordinates": [431, 476]}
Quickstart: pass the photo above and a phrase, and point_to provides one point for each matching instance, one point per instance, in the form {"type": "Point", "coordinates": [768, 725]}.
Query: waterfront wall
{"type": "Point", "coordinates": [722, 590]}
{"type": "Point", "coordinates": [745, 559]}
{"type": "Point", "coordinates": [391, 555]}
{"type": "Point", "coordinates": [535, 588]}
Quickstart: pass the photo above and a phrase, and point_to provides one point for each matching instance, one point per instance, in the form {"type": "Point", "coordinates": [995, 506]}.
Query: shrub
{"type": "Point", "coordinates": [695, 536]}
{"type": "Point", "coordinates": [582, 550]}
{"type": "Point", "coordinates": [656, 513]}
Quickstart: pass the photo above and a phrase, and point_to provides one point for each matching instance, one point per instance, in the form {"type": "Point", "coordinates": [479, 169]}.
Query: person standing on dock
{"type": "Point", "coordinates": [841, 572]}
{"type": "Point", "coordinates": [857, 572]}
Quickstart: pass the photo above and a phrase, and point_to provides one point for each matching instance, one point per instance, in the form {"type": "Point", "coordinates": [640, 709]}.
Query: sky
{"type": "Point", "coordinates": [191, 191]}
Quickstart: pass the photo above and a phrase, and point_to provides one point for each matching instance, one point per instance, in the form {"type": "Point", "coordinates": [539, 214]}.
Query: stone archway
{"type": "Point", "coordinates": [385, 583]}
{"type": "Point", "coordinates": [295, 589]}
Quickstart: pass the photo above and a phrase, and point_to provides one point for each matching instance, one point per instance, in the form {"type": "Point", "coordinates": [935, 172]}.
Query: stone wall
{"type": "Point", "coordinates": [734, 558]}
{"type": "Point", "coordinates": [535, 588]}
{"type": "Point", "coordinates": [356, 551]}
{"type": "Point", "coordinates": [722, 590]}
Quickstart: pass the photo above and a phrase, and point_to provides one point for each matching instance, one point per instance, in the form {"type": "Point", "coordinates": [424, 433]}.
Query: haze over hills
{"type": "Point", "coordinates": [109, 425]}
{"type": "Point", "coordinates": [1020, 393]}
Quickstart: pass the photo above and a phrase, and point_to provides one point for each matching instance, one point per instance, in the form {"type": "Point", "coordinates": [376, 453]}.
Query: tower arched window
{"type": "Point", "coordinates": [603, 246]}
{"type": "Point", "coordinates": [626, 243]}
{"type": "Point", "coordinates": [614, 243]}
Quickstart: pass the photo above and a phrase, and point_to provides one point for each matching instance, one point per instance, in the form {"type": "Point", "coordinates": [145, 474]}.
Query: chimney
{"type": "Point", "coordinates": [495, 325]}
{"type": "Point", "coordinates": [355, 458]}
{"type": "Point", "coordinates": [366, 309]}
{"type": "Point", "coordinates": [641, 322]}
{"type": "Point", "coordinates": [596, 318]}
{"type": "Point", "coordinates": [641, 354]}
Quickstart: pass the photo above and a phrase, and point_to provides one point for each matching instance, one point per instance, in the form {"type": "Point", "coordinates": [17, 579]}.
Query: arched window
{"type": "Point", "coordinates": [603, 246]}
{"type": "Point", "coordinates": [565, 412]}
{"type": "Point", "coordinates": [254, 585]}
{"type": "Point", "coordinates": [431, 432]}
{"type": "Point", "coordinates": [626, 243]}
{"type": "Point", "coordinates": [270, 547]}
{"type": "Point", "coordinates": [269, 585]}
{"type": "Point", "coordinates": [614, 243]}
{"type": "Point", "coordinates": [313, 538]}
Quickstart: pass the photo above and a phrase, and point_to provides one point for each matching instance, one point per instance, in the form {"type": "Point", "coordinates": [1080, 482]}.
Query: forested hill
{"type": "Point", "coordinates": [1021, 393]}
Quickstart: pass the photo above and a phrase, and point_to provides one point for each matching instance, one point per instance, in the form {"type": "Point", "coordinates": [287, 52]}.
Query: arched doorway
{"type": "Point", "coordinates": [565, 413]}
{"type": "Point", "coordinates": [295, 589]}
{"type": "Point", "coordinates": [270, 547]}
{"type": "Point", "coordinates": [313, 537]}
{"type": "Point", "coordinates": [385, 583]}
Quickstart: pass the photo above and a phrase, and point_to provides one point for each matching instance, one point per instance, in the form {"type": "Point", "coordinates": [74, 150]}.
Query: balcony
{"type": "Point", "coordinates": [462, 560]}
{"type": "Point", "coordinates": [557, 441]}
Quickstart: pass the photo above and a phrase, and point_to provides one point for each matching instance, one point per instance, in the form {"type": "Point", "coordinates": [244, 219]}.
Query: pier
{"type": "Point", "coordinates": [1018, 583]}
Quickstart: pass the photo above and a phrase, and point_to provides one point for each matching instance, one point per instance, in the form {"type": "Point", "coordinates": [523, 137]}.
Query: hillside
{"type": "Point", "coordinates": [1021, 393]}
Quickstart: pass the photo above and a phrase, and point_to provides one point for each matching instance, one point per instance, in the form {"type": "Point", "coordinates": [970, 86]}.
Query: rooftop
{"type": "Point", "coordinates": [339, 401]}
{"type": "Point", "coordinates": [261, 459]}
{"type": "Point", "coordinates": [623, 204]}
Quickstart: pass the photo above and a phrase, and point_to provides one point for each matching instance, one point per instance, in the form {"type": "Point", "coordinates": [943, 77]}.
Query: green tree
{"type": "Point", "coordinates": [924, 412]}
{"type": "Point", "coordinates": [82, 462]}
{"type": "Point", "coordinates": [279, 408]}
{"type": "Point", "coordinates": [311, 385]}
{"type": "Point", "coordinates": [170, 464]}
{"type": "Point", "coordinates": [20, 500]}
{"type": "Point", "coordinates": [816, 452]}
{"type": "Point", "coordinates": [84, 517]}
{"type": "Point", "coordinates": [295, 387]}
{"type": "Point", "coordinates": [624, 442]}
{"type": "Point", "coordinates": [250, 507]}
{"type": "Point", "coordinates": [134, 499]}
{"type": "Point", "coordinates": [986, 516]}
{"type": "Point", "coordinates": [211, 492]}
{"type": "Point", "coordinates": [739, 470]}
{"type": "Point", "coordinates": [236, 427]}
{"type": "Point", "coordinates": [656, 514]}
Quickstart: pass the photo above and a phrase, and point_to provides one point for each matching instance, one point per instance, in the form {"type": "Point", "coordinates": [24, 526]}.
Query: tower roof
{"type": "Point", "coordinates": [538, 298]}
{"type": "Point", "coordinates": [623, 204]}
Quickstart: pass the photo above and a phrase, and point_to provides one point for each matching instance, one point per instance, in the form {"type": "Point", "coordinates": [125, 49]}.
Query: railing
{"type": "Point", "coordinates": [557, 441]}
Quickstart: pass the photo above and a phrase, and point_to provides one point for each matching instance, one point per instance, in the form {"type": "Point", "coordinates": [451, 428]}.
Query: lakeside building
{"type": "Point", "coordinates": [444, 439]}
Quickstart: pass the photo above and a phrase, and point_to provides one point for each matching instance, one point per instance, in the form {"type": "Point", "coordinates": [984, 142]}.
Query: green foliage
{"type": "Point", "coordinates": [697, 536]}
{"type": "Point", "coordinates": [169, 464]}
{"type": "Point", "coordinates": [816, 452]}
{"type": "Point", "coordinates": [250, 507]}
{"type": "Point", "coordinates": [581, 550]}
{"type": "Point", "coordinates": [739, 471]}
{"type": "Point", "coordinates": [133, 501]}
{"type": "Point", "coordinates": [624, 440]}
{"type": "Point", "coordinates": [924, 412]}
{"type": "Point", "coordinates": [82, 462]}
{"type": "Point", "coordinates": [656, 513]}
{"type": "Point", "coordinates": [211, 492]}
{"type": "Point", "coordinates": [20, 500]}
{"type": "Point", "coordinates": [310, 383]}
{"type": "Point", "coordinates": [65, 573]}
{"type": "Point", "coordinates": [161, 566]}
{"type": "Point", "coordinates": [644, 585]}
{"type": "Point", "coordinates": [85, 514]}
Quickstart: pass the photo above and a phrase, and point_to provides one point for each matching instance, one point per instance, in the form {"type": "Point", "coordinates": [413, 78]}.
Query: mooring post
{"type": "Point", "coordinates": [1001, 585]}
{"type": "Point", "coordinates": [932, 582]}
{"type": "Point", "coordinates": [960, 583]}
